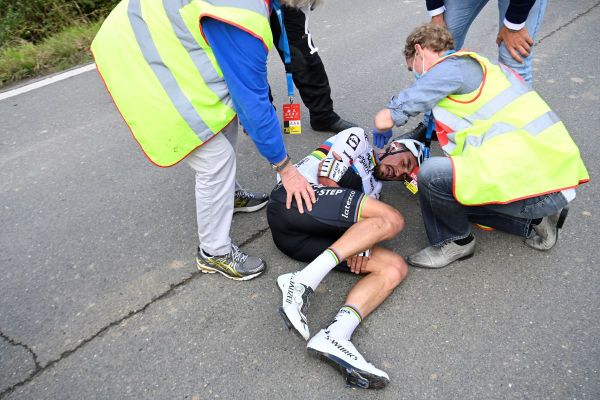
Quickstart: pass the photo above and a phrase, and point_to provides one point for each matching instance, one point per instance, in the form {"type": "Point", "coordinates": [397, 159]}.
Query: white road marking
{"type": "Point", "coordinates": [46, 82]}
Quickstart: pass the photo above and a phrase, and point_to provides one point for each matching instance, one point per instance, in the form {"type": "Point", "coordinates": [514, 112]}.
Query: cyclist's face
{"type": "Point", "coordinates": [396, 167]}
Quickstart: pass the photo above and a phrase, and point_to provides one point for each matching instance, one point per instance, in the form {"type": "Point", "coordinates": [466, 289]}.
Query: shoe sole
{"type": "Point", "coordinates": [429, 267]}
{"type": "Point", "coordinates": [205, 269]}
{"type": "Point", "coordinates": [285, 318]}
{"type": "Point", "coordinates": [561, 219]}
{"type": "Point", "coordinates": [353, 376]}
{"type": "Point", "coordinates": [250, 209]}
{"type": "Point", "coordinates": [289, 325]}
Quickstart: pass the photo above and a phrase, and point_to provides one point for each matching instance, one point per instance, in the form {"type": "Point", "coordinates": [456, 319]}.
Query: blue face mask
{"type": "Point", "coordinates": [418, 75]}
{"type": "Point", "coordinates": [415, 73]}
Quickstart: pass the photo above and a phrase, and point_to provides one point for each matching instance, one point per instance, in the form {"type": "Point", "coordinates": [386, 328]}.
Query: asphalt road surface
{"type": "Point", "coordinates": [100, 296]}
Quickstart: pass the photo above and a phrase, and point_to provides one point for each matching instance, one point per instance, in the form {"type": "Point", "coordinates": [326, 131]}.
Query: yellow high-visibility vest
{"type": "Point", "coordinates": [505, 142]}
{"type": "Point", "coordinates": [163, 75]}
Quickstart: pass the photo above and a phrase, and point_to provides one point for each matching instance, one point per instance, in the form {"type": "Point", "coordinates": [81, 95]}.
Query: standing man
{"type": "Point", "coordinates": [511, 164]}
{"type": "Point", "coordinates": [519, 24]}
{"type": "Point", "coordinates": [307, 70]}
{"type": "Point", "coordinates": [181, 74]}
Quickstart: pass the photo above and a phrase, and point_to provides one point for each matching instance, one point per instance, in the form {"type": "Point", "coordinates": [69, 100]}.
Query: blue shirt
{"type": "Point", "coordinates": [243, 60]}
{"type": "Point", "coordinates": [456, 75]}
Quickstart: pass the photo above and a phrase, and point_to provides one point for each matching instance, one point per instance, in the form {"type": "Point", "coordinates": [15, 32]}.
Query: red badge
{"type": "Point", "coordinates": [291, 119]}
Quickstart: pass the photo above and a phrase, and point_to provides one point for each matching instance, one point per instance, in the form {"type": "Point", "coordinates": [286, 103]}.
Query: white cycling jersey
{"type": "Point", "coordinates": [353, 147]}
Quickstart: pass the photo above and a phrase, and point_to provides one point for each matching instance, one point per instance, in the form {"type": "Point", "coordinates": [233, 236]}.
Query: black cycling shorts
{"type": "Point", "coordinates": [305, 236]}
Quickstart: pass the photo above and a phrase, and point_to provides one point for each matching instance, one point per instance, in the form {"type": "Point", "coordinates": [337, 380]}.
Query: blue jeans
{"type": "Point", "coordinates": [460, 14]}
{"type": "Point", "coordinates": [447, 220]}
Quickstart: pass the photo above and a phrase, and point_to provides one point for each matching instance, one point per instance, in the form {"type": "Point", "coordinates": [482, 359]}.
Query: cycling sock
{"type": "Point", "coordinates": [345, 322]}
{"type": "Point", "coordinates": [314, 272]}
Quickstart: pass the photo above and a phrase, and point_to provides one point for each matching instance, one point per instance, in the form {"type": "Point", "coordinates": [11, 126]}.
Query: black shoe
{"type": "Point", "coordinates": [335, 127]}
{"type": "Point", "coordinates": [246, 201]}
{"type": "Point", "coordinates": [418, 133]}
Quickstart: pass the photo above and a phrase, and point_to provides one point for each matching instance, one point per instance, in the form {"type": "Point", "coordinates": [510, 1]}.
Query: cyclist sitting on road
{"type": "Point", "coordinates": [342, 232]}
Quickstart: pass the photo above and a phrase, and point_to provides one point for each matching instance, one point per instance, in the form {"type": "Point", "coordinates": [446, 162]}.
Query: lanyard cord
{"type": "Point", "coordinates": [284, 46]}
{"type": "Point", "coordinates": [428, 135]}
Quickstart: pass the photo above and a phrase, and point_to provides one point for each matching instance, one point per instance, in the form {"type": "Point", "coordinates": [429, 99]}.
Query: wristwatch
{"type": "Point", "coordinates": [282, 165]}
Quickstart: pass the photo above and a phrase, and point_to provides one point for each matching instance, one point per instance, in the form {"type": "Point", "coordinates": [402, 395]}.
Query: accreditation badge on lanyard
{"type": "Point", "coordinates": [292, 122]}
{"type": "Point", "coordinates": [411, 181]}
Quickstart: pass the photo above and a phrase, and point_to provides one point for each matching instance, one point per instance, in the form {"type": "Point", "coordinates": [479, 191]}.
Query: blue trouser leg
{"type": "Point", "coordinates": [459, 16]}
{"type": "Point", "coordinates": [447, 220]}
{"type": "Point", "coordinates": [532, 24]}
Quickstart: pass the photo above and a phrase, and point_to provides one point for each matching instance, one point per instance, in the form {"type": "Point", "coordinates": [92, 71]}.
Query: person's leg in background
{"type": "Point", "coordinates": [459, 16]}
{"type": "Point", "coordinates": [308, 72]}
{"type": "Point", "coordinates": [244, 200]}
{"type": "Point", "coordinates": [532, 24]}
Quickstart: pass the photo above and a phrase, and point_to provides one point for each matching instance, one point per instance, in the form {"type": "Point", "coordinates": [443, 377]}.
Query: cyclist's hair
{"type": "Point", "coordinates": [431, 36]}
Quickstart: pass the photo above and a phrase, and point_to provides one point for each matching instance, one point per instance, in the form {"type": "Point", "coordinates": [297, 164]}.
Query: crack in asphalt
{"type": "Point", "coordinates": [23, 345]}
{"type": "Point", "coordinates": [166, 294]}
{"type": "Point", "coordinates": [575, 18]}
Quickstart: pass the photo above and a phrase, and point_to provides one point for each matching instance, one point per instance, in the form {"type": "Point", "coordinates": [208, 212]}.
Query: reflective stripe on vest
{"type": "Point", "coordinates": [163, 75]}
{"type": "Point", "coordinates": [486, 111]}
{"type": "Point", "coordinates": [505, 142]}
{"type": "Point", "coordinates": [535, 127]}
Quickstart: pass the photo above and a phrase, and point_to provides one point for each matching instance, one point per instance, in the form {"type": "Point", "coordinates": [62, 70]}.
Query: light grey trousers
{"type": "Point", "coordinates": [215, 167]}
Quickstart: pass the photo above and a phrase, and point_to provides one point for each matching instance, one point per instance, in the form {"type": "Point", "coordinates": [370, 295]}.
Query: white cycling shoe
{"type": "Point", "coordinates": [343, 355]}
{"type": "Point", "coordinates": [294, 304]}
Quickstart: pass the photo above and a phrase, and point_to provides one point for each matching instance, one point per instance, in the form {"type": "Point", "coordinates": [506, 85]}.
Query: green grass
{"type": "Point", "coordinates": [60, 51]}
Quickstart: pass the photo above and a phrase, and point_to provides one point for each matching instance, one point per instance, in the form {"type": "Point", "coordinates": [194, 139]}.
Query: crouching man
{"type": "Point", "coordinates": [511, 164]}
{"type": "Point", "coordinates": [342, 232]}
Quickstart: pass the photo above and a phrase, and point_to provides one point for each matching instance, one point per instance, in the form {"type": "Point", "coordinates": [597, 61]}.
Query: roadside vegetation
{"type": "Point", "coordinates": [38, 37]}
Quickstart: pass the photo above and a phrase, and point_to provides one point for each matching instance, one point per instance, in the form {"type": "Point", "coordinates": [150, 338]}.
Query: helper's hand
{"type": "Point", "coordinates": [518, 43]}
{"type": "Point", "coordinates": [439, 20]}
{"type": "Point", "coordinates": [380, 138]}
{"type": "Point", "coordinates": [297, 187]}
{"type": "Point", "coordinates": [358, 263]}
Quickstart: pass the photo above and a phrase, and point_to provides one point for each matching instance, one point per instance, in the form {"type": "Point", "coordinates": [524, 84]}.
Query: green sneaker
{"type": "Point", "coordinates": [246, 201]}
{"type": "Point", "coordinates": [235, 265]}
